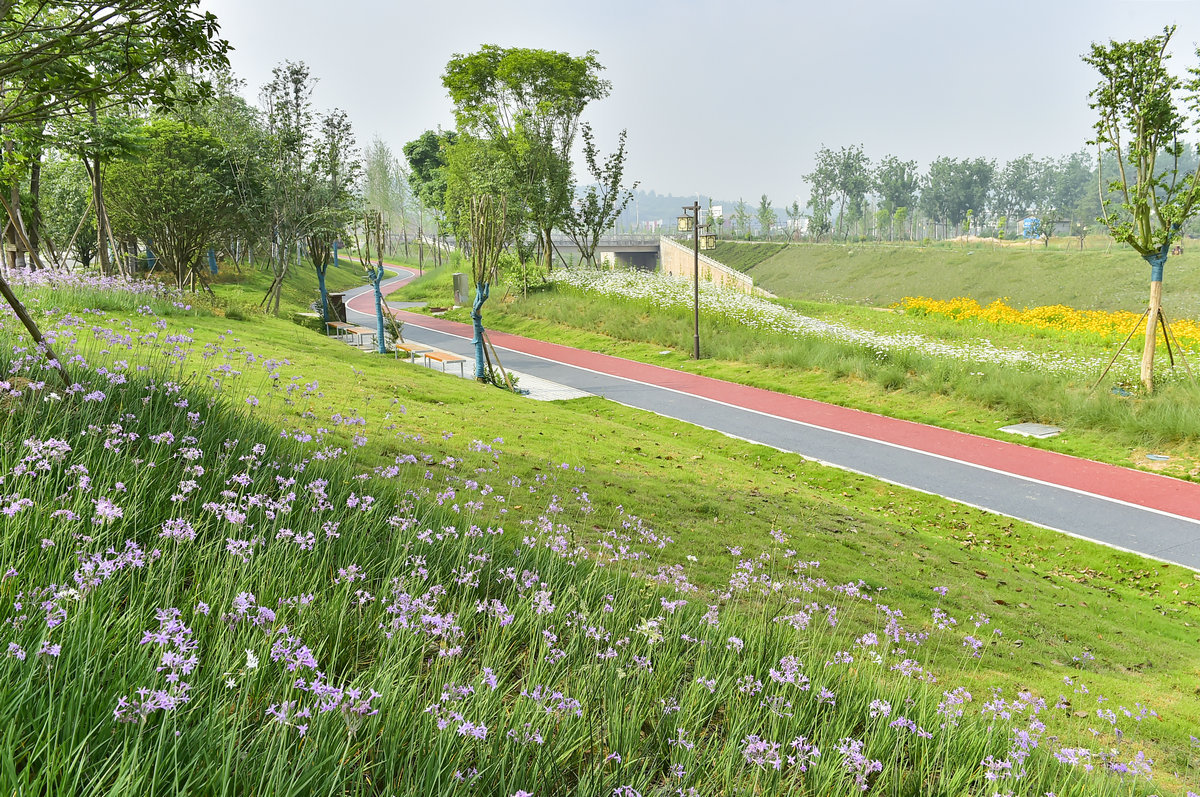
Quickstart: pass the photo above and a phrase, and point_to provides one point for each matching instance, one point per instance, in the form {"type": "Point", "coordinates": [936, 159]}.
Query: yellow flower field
{"type": "Point", "coordinates": [1057, 317]}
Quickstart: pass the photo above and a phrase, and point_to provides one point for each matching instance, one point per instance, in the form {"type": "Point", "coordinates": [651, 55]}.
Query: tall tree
{"type": "Point", "coordinates": [741, 219]}
{"type": "Point", "coordinates": [178, 192]}
{"type": "Point", "coordinates": [603, 201]}
{"type": "Point", "coordinates": [329, 205]}
{"type": "Point", "coordinates": [528, 102]}
{"type": "Point", "coordinates": [386, 188]}
{"type": "Point", "coordinates": [287, 100]}
{"type": "Point", "coordinates": [822, 182]}
{"type": "Point", "coordinates": [489, 231]}
{"type": "Point", "coordinates": [896, 182]}
{"type": "Point", "coordinates": [1139, 117]}
{"type": "Point", "coordinates": [766, 216]}
{"type": "Point", "coordinates": [952, 187]}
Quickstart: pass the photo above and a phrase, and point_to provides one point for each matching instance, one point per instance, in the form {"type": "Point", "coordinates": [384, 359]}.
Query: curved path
{"type": "Point", "coordinates": [1132, 510]}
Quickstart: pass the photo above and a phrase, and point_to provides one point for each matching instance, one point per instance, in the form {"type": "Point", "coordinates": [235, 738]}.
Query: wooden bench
{"type": "Point", "coordinates": [361, 332]}
{"type": "Point", "coordinates": [411, 349]}
{"type": "Point", "coordinates": [445, 357]}
{"type": "Point", "coordinates": [337, 327]}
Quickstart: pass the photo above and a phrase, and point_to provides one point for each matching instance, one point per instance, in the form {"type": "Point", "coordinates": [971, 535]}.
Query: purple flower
{"type": "Point", "coordinates": [106, 510]}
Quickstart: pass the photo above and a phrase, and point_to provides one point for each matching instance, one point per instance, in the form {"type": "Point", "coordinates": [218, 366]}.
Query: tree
{"type": "Point", "coordinates": [56, 55]}
{"type": "Point", "coordinates": [1016, 190]}
{"type": "Point", "coordinates": [896, 183]}
{"type": "Point", "coordinates": [386, 187]}
{"type": "Point", "coordinates": [1044, 227]}
{"type": "Point", "coordinates": [247, 145]}
{"type": "Point", "coordinates": [882, 220]}
{"type": "Point", "coordinates": [1139, 118]}
{"type": "Point", "coordinates": [899, 218]}
{"type": "Point", "coordinates": [489, 231]}
{"type": "Point", "coordinates": [374, 233]}
{"type": "Point", "coordinates": [766, 216]}
{"type": "Point", "coordinates": [823, 182]}
{"type": "Point", "coordinates": [793, 216]}
{"type": "Point", "coordinates": [852, 181]}
{"type": "Point", "coordinates": [528, 103]}
{"type": "Point", "coordinates": [178, 192]}
{"type": "Point", "coordinates": [428, 158]}
{"type": "Point", "coordinates": [952, 187]}
{"type": "Point", "coordinates": [328, 201]}
{"type": "Point", "coordinates": [741, 218]}
{"type": "Point", "coordinates": [67, 225]}
{"type": "Point", "coordinates": [602, 202]}
{"type": "Point", "coordinates": [309, 169]}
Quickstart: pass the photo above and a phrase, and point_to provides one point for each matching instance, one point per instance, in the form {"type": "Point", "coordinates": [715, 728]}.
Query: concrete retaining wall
{"type": "Point", "coordinates": [679, 261]}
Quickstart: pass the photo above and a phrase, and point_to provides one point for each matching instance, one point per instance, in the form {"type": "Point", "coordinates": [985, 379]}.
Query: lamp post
{"type": "Point", "coordinates": [690, 222]}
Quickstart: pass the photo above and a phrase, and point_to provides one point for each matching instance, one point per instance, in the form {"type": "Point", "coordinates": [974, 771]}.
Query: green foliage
{"type": "Point", "coordinates": [602, 202]}
{"type": "Point", "coordinates": [843, 177]}
{"type": "Point", "coordinates": [1139, 119]}
{"type": "Point", "coordinates": [64, 55]}
{"type": "Point", "coordinates": [428, 158]}
{"type": "Point", "coordinates": [953, 187]}
{"type": "Point", "coordinates": [66, 207]}
{"type": "Point", "coordinates": [766, 217]}
{"type": "Point", "coordinates": [527, 103]}
{"type": "Point", "coordinates": [179, 192]}
{"type": "Point", "coordinates": [896, 181]}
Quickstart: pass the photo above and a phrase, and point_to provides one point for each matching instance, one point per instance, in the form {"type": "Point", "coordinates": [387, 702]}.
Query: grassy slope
{"type": "Point", "coordinates": [1058, 596]}
{"type": "Point", "coordinates": [1024, 276]}
{"type": "Point", "coordinates": [244, 288]}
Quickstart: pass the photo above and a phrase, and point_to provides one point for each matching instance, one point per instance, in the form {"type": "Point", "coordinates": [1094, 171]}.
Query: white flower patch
{"type": "Point", "coordinates": [754, 312]}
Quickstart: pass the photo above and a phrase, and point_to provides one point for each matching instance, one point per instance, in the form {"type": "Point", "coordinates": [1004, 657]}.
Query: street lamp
{"type": "Point", "coordinates": [690, 222]}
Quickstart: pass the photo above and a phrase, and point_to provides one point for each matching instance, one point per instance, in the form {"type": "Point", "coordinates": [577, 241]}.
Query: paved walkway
{"type": "Point", "coordinates": [1128, 509]}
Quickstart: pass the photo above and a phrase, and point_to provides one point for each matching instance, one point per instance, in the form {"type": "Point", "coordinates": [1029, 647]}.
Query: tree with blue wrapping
{"type": "Point", "coordinates": [1144, 111]}
{"type": "Point", "coordinates": [489, 230]}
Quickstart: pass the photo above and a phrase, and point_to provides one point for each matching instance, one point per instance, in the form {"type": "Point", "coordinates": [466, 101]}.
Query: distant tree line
{"type": "Point", "coordinates": [854, 198]}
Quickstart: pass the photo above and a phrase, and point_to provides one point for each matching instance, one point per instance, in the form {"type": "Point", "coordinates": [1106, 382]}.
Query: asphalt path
{"type": "Point", "coordinates": [1131, 510]}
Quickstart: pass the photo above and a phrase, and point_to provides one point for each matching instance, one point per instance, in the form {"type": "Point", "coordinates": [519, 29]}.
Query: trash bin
{"type": "Point", "coordinates": [462, 288]}
{"type": "Point", "coordinates": [337, 306]}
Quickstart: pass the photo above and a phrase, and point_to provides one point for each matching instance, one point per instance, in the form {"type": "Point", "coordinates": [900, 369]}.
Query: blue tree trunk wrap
{"type": "Point", "coordinates": [481, 296]}
{"type": "Point", "coordinates": [324, 294]}
{"type": "Point", "coordinates": [1157, 260]}
{"type": "Point", "coordinates": [377, 280]}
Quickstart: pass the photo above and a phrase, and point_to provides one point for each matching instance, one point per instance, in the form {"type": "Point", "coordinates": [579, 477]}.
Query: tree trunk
{"type": "Point", "coordinates": [35, 204]}
{"type": "Point", "coordinates": [16, 255]}
{"type": "Point", "coordinates": [1151, 335]}
{"type": "Point", "coordinates": [548, 246]}
{"type": "Point", "coordinates": [481, 296]}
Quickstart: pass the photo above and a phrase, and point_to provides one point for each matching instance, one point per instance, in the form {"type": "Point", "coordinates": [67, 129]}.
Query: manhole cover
{"type": "Point", "coordinates": [1038, 430]}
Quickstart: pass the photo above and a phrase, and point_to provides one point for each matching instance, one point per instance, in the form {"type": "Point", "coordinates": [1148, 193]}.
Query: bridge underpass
{"type": "Point", "coordinates": [638, 251]}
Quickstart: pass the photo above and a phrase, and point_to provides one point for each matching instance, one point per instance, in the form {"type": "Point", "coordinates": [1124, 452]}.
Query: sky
{"type": "Point", "coordinates": [730, 99]}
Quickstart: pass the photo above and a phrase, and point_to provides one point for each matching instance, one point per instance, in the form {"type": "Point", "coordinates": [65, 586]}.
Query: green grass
{"type": "Point", "coordinates": [1101, 277]}
{"type": "Point", "coordinates": [242, 289]}
{"type": "Point", "coordinates": [1054, 597]}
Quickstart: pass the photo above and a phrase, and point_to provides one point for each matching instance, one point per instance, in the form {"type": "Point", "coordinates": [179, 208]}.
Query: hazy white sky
{"type": "Point", "coordinates": [731, 98]}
